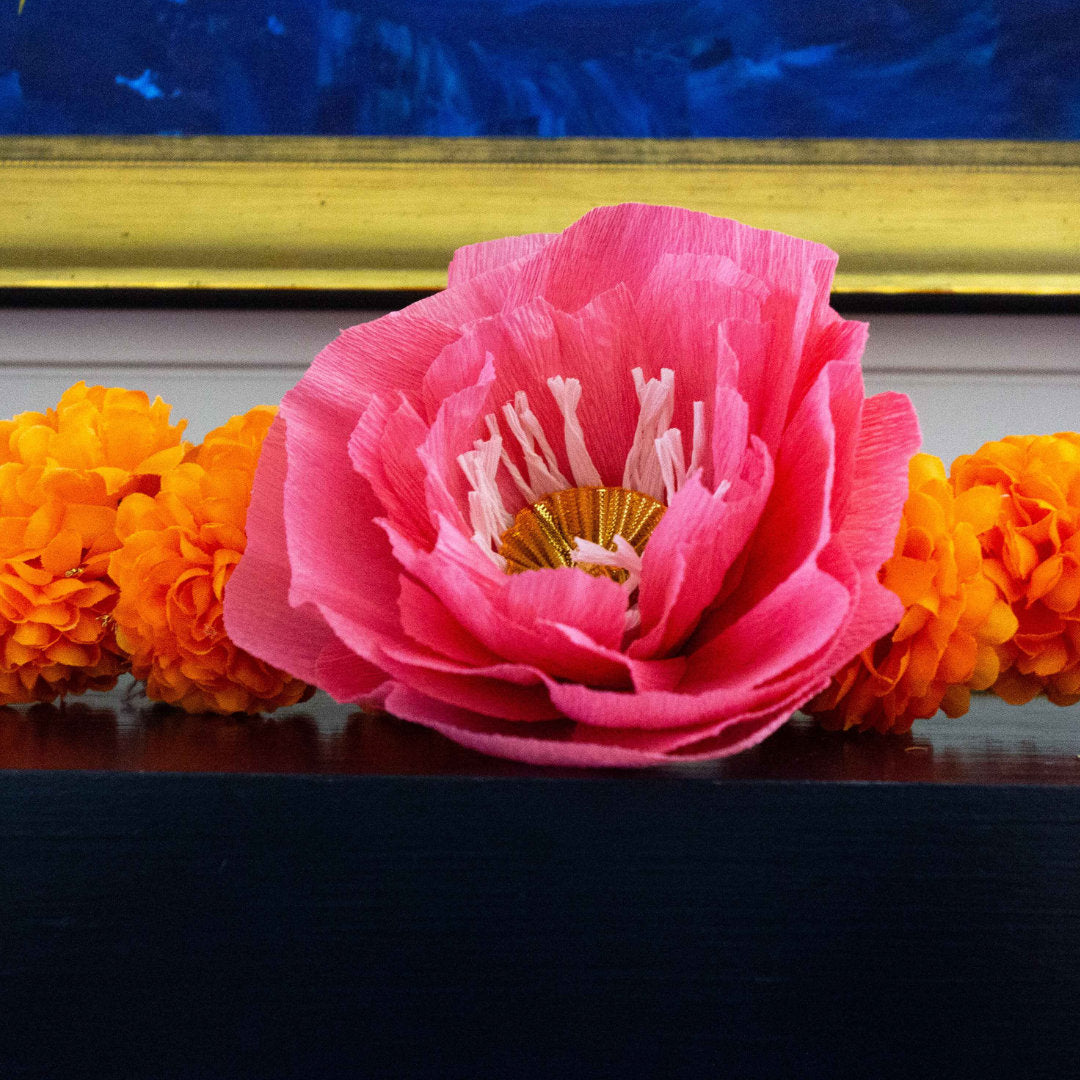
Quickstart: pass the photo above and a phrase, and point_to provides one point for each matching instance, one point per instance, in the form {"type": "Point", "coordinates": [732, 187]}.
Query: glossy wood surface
{"type": "Point", "coordinates": [993, 744]}
{"type": "Point", "coordinates": [170, 910]}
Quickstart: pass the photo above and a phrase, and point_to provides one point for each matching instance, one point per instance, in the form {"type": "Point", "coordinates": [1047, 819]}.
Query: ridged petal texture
{"type": "Point", "coordinates": [688, 367]}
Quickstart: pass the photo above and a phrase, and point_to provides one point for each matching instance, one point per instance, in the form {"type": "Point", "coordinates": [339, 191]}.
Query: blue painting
{"type": "Point", "coordinates": [542, 68]}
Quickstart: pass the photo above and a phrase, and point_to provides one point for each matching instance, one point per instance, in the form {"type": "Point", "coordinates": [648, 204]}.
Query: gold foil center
{"type": "Point", "coordinates": [543, 534]}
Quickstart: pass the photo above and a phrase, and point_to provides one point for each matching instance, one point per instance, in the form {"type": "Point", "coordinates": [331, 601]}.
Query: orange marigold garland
{"type": "Point", "coordinates": [955, 620]}
{"type": "Point", "coordinates": [63, 474]}
{"type": "Point", "coordinates": [1033, 554]}
{"type": "Point", "coordinates": [180, 546]}
{"type": "Point", "coordinates": [117, 540]}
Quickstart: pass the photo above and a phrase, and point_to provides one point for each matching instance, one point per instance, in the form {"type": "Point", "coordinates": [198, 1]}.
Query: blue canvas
{"type": "Point", "coordinates": [628, 68]}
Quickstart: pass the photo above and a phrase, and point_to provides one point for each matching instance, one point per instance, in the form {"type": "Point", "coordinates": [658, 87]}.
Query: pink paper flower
{"type": "Point", "coordinates": [656, 407]}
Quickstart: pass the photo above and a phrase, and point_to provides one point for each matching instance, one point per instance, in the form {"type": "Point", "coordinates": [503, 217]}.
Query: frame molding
{"type": "Point", "coordinates": [981, 217]}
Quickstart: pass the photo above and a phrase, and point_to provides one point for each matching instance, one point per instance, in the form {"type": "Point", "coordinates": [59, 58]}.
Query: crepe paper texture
{"type": "Point", "coordinates": [623, 563]}
{"type": "Point", "coordinates": [547, 68]}
{"type": "Point", "coordinates": [687, 358]}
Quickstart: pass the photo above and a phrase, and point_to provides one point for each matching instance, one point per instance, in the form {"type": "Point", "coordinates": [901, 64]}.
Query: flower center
{"type": "Point", "coordinates": [543, 534]}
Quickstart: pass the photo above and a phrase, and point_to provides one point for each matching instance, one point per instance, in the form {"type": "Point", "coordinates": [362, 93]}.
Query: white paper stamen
{"type": "Point", "coordinates": [567, 395]}
{"type": "Point", "coordinates": [625, 558]}
{"type": "Point", "coordinates": [657, 401]}
{"type": "Point", "coordinates": [487, 513]}
{"type": "Point", "coordinates": [544, 475]}
{"type": "Point", "coordinates": [669, 452]}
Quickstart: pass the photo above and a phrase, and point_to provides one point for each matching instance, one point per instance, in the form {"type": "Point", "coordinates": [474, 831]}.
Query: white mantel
{"type": "Point", "coordinates": [971, 377]}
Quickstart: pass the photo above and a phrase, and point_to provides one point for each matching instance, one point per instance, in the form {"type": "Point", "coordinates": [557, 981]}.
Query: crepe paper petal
{"type": "Point", "coordinates": [646, 357]}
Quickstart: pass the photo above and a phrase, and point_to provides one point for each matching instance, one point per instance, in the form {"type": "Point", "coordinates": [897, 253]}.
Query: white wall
{"type": "Point", "coordinates": [971, 377]}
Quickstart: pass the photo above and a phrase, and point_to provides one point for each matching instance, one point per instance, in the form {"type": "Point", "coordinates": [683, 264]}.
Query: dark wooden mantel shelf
{"type": "Point", "coordinates": [325, 894]}
{"type": "Point", "coordinates": [122, 731]}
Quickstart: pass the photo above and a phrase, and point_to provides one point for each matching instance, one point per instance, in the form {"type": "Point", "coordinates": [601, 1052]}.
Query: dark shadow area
{"type": "Point", "coordinates": [383, 300]}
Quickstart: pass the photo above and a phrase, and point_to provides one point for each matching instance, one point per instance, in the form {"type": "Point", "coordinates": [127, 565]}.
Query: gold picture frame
{"type": "Point", "coordinates": [302, 213]}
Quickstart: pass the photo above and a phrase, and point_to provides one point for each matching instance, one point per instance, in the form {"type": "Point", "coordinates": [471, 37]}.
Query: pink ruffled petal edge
{"type": "Point", "coordinates": [888, 437]}
{"type": "Point", "coordinates": [560, 743]}
{"type": "Point", "coordinates": [258, 615]}
{"type": "Point", "coordinates": [475, 259]}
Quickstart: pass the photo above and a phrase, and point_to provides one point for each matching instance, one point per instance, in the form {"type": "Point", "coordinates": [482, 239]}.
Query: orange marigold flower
{"type": "Point", "coordinates": [954, 620]}
{"type": "Point", "coordinates": [180, 546]}
{"type": "Point", "coordinates": [62, 475]}
{"type": "Point", "coordinates": [1033, 554]}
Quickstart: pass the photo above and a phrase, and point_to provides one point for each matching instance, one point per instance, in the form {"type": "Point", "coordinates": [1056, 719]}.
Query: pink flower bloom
{"type": "Point", "coordinates": [682, 371]}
